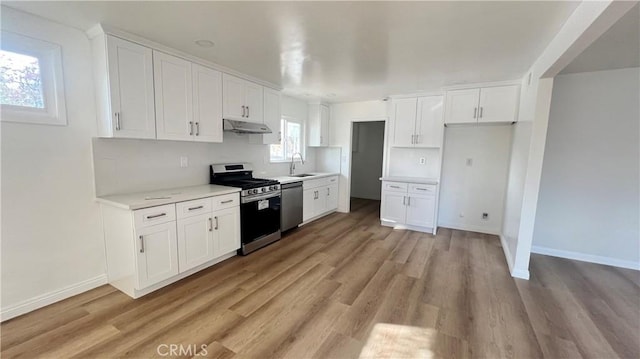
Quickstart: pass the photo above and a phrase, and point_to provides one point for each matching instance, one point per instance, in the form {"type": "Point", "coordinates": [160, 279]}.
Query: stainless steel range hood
{"type": "Point", "coordinates": [245, 127]}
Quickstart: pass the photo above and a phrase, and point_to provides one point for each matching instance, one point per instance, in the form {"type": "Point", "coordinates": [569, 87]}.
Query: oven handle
{"type": "Point", "coordinates": [258, 198]}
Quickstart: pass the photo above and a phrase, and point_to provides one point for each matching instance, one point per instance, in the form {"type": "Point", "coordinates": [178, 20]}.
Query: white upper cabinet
{"type": "Point", "coordinates": [482, 105]}
{"type": "Point", "coordinates": [242, 100]}
{"type": "Point", "coordinates": [272, 116]}
{"type": "Point", "coordinates": [207, 104]}
{"type": "Point", "coordinates": [418, 122]}
{"type": "Point", "coordinates": [124, 78]}
{"type": "Point", "coordinates": [174, 97]}
{"type": "Point", "coordinates": [318, 126]}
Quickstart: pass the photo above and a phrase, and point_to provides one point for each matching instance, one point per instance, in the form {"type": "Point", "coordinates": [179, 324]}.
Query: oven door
{"type": "Point", "coordinates": [259, 217]}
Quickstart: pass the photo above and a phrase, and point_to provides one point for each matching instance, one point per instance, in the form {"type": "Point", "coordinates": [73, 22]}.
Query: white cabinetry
{"type": "Point", "coordinates": [123, 72]}
{"type": "Point", "coordinates": [241, 100]}
{"type": "Point", "coordinates": [318, 126]}
{"type": "Point", "coordinates": [207, 104]}
{"type": "Point", "coordinates": [272, 116]}
{"type": "Point", "coordinates": [157, 254]}
{"type": "Point", "coordinates": [319, 197]}
{"type": "Point", "coordinates": [418, 122]}
{"type": "Point", "coordinates": [497, 104]}
{"type": "Point", "coordinates": [409, 205]}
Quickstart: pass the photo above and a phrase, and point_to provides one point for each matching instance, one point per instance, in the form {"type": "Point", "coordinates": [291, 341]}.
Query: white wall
{"type": "Point", "coordinates": [340, 136]}
{"type": "Point", "coordinates": [468, 190]}
{"type": "Point", "coordinates": [589, 193]}
{"type": "Point", "coordinates": [52, 243]}
{"type": "Point", "coordinates": [126, 165]}
{"type": "Point", "coordinates": [366, 156]}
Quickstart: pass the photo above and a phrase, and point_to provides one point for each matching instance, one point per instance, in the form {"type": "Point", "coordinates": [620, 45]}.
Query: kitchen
{"type": "Point", "coordinates": [165, 197]}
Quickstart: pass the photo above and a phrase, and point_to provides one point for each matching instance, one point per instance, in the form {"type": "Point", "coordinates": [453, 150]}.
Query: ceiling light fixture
{"type": "Point", "coordinates": [205, 43]}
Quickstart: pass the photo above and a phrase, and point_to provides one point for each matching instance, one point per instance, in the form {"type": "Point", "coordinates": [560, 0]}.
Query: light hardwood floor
{"type": "Point", "coordinates": [318, 293]}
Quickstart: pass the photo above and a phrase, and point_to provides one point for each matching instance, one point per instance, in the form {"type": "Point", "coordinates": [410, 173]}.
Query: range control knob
{"type": "Point", "coordinates": [254, 191]}
{"type": "Point", "coordinates": [274, 187]}
{"type": "Point", "coordinates": [263, 189]}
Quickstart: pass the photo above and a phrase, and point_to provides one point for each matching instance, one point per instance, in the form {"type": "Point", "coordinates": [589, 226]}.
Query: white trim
{"type": "Point", "coordinates": [584, 257]}
{"type": "Point", "coordinates": [470, 228]}
{"type": "Point", "coordinates": [409, 227]}
{"type": "Point", "coordinates": [516, 273]}
{"type": "Point", "coordinates": [43, 300]}
{"type": "Point", "coordinates": [482, 84]}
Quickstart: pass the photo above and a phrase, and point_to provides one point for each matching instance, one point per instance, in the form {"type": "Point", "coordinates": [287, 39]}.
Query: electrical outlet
{"type": "Point", "coordinates": [469, 162]}
{"type": "Point", "coordinates": [184, 162]}
{"type": "Point", "coordinates": [461, 214]}
{"type": "Point", "coordinates": [485, 216]}
{"type": "Point", "coordinates": [423, 160]}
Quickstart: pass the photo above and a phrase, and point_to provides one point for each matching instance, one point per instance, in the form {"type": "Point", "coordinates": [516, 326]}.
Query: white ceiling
{"type": "Point", "coordinates": [340, 51]}
{"type": "Point", "coordinates": [618, 48]}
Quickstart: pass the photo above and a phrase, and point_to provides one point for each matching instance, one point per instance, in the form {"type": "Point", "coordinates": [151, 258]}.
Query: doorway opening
{"type": "Point", "coordinates": [367, 153]}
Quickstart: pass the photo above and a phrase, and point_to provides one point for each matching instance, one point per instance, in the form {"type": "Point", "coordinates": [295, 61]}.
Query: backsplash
{"type": "Point", "coordinates": [405, 162]}
{"type": "Point", "coordinates": [128, 165]}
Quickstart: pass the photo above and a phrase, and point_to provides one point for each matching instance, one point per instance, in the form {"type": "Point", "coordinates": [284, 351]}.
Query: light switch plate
{"type": "Point", "coordinates": [184, 162]}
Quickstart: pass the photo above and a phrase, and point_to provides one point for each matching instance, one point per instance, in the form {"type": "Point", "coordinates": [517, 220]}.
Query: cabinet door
{"type": "Point", "coordinates": [429, 123]}
{"type": "Point", "coordinates": [393, 207]}
{"type": "Point", "coordinates": [195, 241]}
{"type": "Point", "coordinates": [332, 197]}
{"type": "Point", "coordinates": [421, 210]}
{"type": "Point", "coordinates": [272, 116]}
{"type": "Point", "coordinates": [320, 202]}
{"type": "Point", "coordinates": [156, 253]}
{"type": "Point", "coordinates": [462, 106]}
{"type": "Point", "coordinates": [308, 204]}
{"type": "Point", "coordinates": [226, 228]}
{"type": "Point", "coordinates": [404, 122]}
{"type": "Point", "coordinates": [174, 97]}
{"type": "Point", "coordinates": [324, 126]}
{"type": "Point", "coordinates": [498, 104]}
{"type": "Point", "coordinates": [131, 89]}
{"type": "Point", "coordinates": [207, 104]}
{"type": "Point", "coordinates": [254, 101]}
{"type": "Point", "coordinates": [318, 126]}
{"type": "Point", "coordinates": [233, 106]}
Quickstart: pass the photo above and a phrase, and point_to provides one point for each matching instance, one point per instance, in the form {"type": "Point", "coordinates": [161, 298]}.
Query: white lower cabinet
{"type": "Point", "coordinates": [319, 196]}
{"type": "Point", "coordinates": [157, 253]}
{"type": "Point", "coordinates": [409, 205]}
{"type": "Point", "coordinates": [195, 241]}
{"type": "Point", "coordinates": [226, 231]}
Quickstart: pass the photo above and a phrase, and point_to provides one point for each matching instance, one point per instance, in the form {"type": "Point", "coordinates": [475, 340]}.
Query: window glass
{"type": "Point", "coordinates": [20, 80]}
{"type": "Point", "coordinates": [291, 141]}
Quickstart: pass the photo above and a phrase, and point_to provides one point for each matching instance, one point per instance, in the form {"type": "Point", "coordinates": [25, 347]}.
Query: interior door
{"type": "Point", "coordinates": [498, 104]}
{"type": "Point", "coordinates": [195, 241]}
{"type": "Point", "coordinates": [157, 253]}
{"type": "Point", "coordinates": [233, 106]}
{"type": "Point", "coordinates": [393, 207]}
{"type": "Point", "coordinates": [462, 106]}
{"type": "Point", "coordinates": [421, 210]}
{"type": "Point", "coordinates": [404, 122]}
{"type": "Point", "coordinates": [174, 97]}
{"type": "Point", "coordinates": [429, 123]}
{"type": "Point", "coordinates": [207, 104]}
{"type": "Point", "coordinates": [226, 229]}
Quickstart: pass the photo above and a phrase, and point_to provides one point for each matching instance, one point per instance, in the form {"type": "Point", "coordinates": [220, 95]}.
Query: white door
{"type": "Point", "coordinates": [254, 101]}
{"type": "Point", "coordinates": [308, 204]}
{"type": "Point", "coordinates": [131, 87]}
{"type": "Point", "coordinates": [207, 104]}
{"type": "Point", "coordinates": [393, 207]}
{"type": "Point", "coordinates": [404, 122]}
{"type": "Point", "coordinates": [324, 126]}
{"type": "Point", "coordinates": [332, 197]}
{"type": "Point", "coordinates": [421, 210]}
{"type": "Point", "coordinates": [233, 106]}
{"type": "Point", "coordinates": [498, 104]}
{"type": "Point", "coordinates": [226, 228]}
{"type": "Point", "coordinates": [272, 116]}
{"type": "Point", "coordinates": [195, 241]}
{"type": "Point", "coordinates": [156, 253]}
{"type": "Point", "coordinates": [462, 106]}
{"type": "Point", "coordinates": [174, 97]}
{"type": "Point", "coordinates": [429, 123]}
{"type": "Point", "coordinates": [320, 202]}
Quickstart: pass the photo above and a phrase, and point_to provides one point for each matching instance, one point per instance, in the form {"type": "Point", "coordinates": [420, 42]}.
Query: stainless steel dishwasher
{"type": "Point", "coordinates": [291, 205]}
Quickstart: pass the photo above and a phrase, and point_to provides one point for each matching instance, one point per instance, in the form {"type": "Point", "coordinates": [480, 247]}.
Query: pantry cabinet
{"type": "Point", "coordinates": [409, 205]}
{"type": "Point", "coordinates": [241, 99]}
{"type": "Point", "coordinates": [318, 123]}
{"type": "Point", "coordinates": [496, 104]}
{"type": "Point", "coordinates": [418, 122]}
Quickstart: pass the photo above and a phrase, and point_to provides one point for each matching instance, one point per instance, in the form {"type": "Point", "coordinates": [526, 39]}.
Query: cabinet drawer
{"type": "Point", "coordinates": [394, 186]}
{"type": "Point", "coordinates": [422, 188]}
{"type": "Point", "coordinates": [226, 201]}
{"type": "Point", "coordinates": [154, 215]}
{"type": "Point", "coordinates": [332, 180]}
{"type": "Point", "coordinates": [315, 183]}
{"type": "Point", "coordinates": [193, 208]}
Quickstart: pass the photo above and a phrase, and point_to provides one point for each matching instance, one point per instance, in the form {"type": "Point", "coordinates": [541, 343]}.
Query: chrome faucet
{"type": "Point", "coordinates": [292, 167]}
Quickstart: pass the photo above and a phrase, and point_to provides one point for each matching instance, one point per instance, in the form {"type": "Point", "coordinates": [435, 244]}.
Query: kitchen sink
{"type": "Point", "coordinates": [303, 175]}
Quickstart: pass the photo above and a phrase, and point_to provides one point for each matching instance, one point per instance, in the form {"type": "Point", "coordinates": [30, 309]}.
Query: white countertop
{"type": "Point", "coordinates": [421, 180]}
{"type": "Point", "coordinates": [289, 179]}
{"type": "Point", "coordinates": [133, 201]}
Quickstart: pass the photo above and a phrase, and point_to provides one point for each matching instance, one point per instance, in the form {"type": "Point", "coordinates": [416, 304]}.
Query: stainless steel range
{"type": "Point", "coordinates": [259, 204]}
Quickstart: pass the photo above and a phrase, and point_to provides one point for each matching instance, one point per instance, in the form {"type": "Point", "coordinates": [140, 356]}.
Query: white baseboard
{"type": "Point", "coordinates": [586, 257]}
{"type": "Point", "coordinates": [470, 228]}
{"type": "Point", "coordinates": [43, 300]}
{"type": "Point", "coordinates": [515, 272]}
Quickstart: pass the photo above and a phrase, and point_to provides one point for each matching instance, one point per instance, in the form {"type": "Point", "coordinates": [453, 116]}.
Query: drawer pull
{"type": "Point", "coordinates": [156, 216]}
{"type": "Point", "coordinates": [398, 187]}
{"type": "Point", "coordinates": [422, 189]}
{"type": "Point", "coordinates": [227, 201]}
{"type": "Point", "coordinates": [194, 208]}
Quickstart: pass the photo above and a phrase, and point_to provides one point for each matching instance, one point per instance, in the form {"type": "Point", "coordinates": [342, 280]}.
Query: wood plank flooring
{"type": "Point", "coordinates": [319, 292]}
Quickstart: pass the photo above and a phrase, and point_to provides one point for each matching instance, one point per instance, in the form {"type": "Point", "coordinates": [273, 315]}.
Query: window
{"type": "Point", "coordinates": [291, 141]}
{"type": "Point", "coordinates": [31, 87]}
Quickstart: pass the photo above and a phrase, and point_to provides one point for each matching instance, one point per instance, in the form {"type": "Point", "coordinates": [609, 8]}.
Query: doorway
{"type": "Point", "coordinates": [367, 153]}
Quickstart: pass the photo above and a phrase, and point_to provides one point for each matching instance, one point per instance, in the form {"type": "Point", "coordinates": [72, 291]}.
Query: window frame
{"type": "Point", "coordinates": [284, 135]}
{"type": "Point", "coordinates": [49, 57]}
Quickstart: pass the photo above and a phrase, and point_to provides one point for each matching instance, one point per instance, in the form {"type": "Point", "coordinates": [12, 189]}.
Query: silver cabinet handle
{"type": "Point", "coordinates": [194, 208]}
{"type": "Point", "coordinates": [190, 128]}
{"type": "Point", "coordinates": [117, 114]}
{"type": "Point", "coordinates": [141, 244]}
{"type": "Point", "coordinates": [197, 128]}
{"type": "Point", "coordinates": [475, 112]}
{"type": "Point", "coordinates": [412, 139]}
{"type": "Point", "coordinates": [242, 110]}
{"type": "Point", "coordinates": [228, 201]}
{"type": "Point", "coordinates": [404, 200]}
{"type": "Point", "coordinates": [409, 201]}
{"type": "Point", "coordinates": [328, 191]}
{"type": "Point", "coordinates": [398, 187]}
{"type": "Point", "coordinates": [210, 225]}
{"type": "Point", "coordinates": [421, 189]}
{"type": "Point", "coordinates": [248, 113]}
{"type": "Point", "coordinates": [279, 136]}
{"type": "Point", "coordinates": [481, 112]}
{"type": "Point", "coordinates": [216, 217]}
{"type": "Point", "coordinates": [156, 216]}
